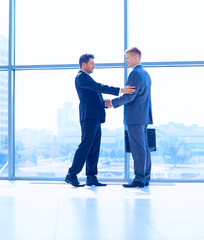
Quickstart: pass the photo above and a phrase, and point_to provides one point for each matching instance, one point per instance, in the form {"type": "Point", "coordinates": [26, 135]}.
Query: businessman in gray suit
{"type": "Point", "coordinates": [137, 115]}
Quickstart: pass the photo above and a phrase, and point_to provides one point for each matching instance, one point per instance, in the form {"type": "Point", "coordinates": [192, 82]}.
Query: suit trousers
{"type": "Point", "coordinates": [88, 150]}
{"type": "Point", "coordinates": [137, 135]}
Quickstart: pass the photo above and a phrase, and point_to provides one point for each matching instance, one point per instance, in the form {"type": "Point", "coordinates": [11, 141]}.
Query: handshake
{"type": "Point", "coordinates": [108, 103]}
{"type": "Point", "coordinates": [126, 90]}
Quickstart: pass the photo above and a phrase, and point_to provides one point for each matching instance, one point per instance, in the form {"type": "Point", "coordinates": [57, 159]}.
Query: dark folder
{"type": "Point", "coordinates": [151, 136]}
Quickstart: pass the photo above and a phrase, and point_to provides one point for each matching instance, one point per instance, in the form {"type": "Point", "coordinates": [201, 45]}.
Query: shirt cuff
{"type": "Point", "coordinates": [119, 92]}
{"type": "Point", "coordinates": [112, 103]}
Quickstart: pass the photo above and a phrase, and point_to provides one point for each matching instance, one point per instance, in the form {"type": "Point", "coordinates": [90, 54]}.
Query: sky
{"type": "Point", "coordinates": [4, 17]}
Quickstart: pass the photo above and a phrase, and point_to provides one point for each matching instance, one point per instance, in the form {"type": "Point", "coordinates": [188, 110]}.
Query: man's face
{"type": "Point", "coordinates": [131, 59]}
{"type": "Point", "coordinates": [89, 66]}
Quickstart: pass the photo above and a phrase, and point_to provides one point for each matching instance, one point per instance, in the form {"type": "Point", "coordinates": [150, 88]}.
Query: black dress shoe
{"type": "Point", "coordinates": [133, 184]}
{"type": "Point", "coordinates": [93, 181]}
{"type": "Point", "coordinates": [72, 179]}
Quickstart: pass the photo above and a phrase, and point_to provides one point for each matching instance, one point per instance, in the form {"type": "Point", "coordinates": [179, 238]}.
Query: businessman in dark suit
{"type": "Point", "coordinates": [137, 115]}
{"type": "Point", "coordinates": [92, 114]}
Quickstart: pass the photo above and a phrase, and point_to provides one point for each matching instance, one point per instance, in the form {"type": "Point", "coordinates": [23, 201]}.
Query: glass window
{"type": "Point", "coordinates": [177, 98]}
{"type": "Point", "coordinates": [167, 30]}
{"type": "Point", "coordinates": [46, 103]}
{"type": "Point", "coordinates": [4, 17]}
{"type": "Point", "coordinates": [47, 124]}
{"type": "Point", "coordinates": [111, 164]}
{"type": "Point", "coordinates": [58, 32]}
{"type": "Point", "coordinates": [3, 124]}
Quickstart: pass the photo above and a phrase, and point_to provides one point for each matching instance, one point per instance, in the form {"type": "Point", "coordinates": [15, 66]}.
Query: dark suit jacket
{"type": "Point", "coordinates": [138, 107]}
{"type": "Point", "coordinates": [92, 105]}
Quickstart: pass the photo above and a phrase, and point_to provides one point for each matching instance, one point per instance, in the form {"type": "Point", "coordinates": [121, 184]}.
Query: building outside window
{"type": "Point", "coordinates": [4, 6]}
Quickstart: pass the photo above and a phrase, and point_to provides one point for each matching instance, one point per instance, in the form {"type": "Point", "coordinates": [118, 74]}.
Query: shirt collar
{"type": "Point", "coordinates": [83, 71]}
{"type": "Point", "coordinates": [137, 65]}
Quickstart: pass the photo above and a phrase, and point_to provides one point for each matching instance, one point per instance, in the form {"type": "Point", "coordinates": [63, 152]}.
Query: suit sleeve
{"type": "Point", "coordinates": [133, 80]}
{"type": "Point", "coordinates": [88, 83]}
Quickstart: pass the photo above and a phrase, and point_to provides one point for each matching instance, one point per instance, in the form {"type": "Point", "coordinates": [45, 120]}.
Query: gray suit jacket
{"type": "Point", "coordinates": [137, 106]}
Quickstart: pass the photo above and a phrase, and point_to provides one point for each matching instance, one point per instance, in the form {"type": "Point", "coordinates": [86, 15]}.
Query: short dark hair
{"type": "Point", "coordinates": [134, 51]}
{"type": "Point", "coordinates": [85, 58]}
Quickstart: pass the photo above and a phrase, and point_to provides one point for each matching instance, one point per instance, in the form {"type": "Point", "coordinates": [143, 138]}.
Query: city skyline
{"type": "Point", "coordinates": [180, 152]}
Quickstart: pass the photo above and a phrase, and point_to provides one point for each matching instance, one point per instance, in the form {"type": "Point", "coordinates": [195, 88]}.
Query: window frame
{"type": "Point", "coordinates": [11, 68]}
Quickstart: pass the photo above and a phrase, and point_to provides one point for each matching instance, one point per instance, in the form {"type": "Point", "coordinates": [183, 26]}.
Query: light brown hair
{"type": "Point", "coordinates": [133, 51]}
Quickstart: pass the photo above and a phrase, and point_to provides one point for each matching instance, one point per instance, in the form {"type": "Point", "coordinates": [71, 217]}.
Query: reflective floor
{"type": "Point", "coordinates": [56, 211]}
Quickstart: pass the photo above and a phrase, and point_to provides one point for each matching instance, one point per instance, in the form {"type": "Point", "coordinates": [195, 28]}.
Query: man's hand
{"type": "Point", "coordinates": [128, 89]}
{"type": "Point", "coordinates": [108, 103]}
